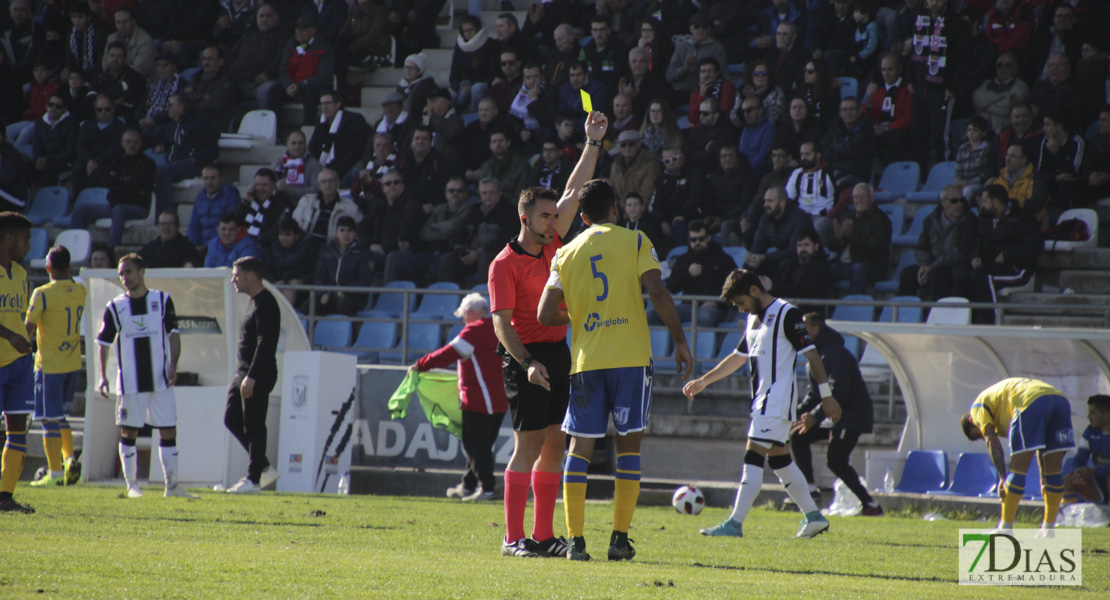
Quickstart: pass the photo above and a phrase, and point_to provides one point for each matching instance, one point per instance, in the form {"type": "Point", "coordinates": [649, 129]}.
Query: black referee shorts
{"type": "Point", "coordinates": [532, 407]}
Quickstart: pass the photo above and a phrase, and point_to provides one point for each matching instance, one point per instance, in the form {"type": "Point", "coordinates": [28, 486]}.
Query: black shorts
{"type": "Point", "coordinates": [534, 408]}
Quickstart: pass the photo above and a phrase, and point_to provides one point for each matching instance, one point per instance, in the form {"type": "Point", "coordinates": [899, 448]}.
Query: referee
{"type": "Point", "coordinates": [249, 395]}
{"type": "Point", "coordinates": [535, 358]}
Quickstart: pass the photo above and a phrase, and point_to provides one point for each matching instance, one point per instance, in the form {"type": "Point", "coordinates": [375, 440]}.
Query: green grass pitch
{"type": "Point", "coordinates": [89, 542]}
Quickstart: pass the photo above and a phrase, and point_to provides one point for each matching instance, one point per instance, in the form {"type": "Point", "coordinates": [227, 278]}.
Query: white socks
{"type": "Point", "coordinates": [795, 483]}
{"type": "Point", "coordinates": [127, 459]}
{"type": "Point", "coordinates": [168, 457]}
{"type": "Point", "coordinates": [750, 484]}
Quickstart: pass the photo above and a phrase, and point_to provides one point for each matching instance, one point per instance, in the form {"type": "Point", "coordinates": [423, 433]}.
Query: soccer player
{"type": "Point", "coordinates": [17, 384]}
{"type": "Point", "coordinates": [1092, 483]}
{"type": "Point", "coordinates": [249, 395]}
{"type": "Point", "coordinates": [55, 317]}
{"type": "Point", "coordinates": [599, 275]}
{"type": "Point", "coordinates": [143, 326]}
{"type": "Point", "coordinates": [774, 336]}
{"type": "Point", "coordinates": [1037, 418]}
{"type": "Point", "coordinates": [535, 358]}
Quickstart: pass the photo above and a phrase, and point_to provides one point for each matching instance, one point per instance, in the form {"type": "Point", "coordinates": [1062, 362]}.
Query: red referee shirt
{"type": "Point", "coordinates": [516, 281]}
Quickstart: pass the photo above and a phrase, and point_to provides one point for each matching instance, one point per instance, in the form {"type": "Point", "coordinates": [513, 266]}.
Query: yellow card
{"type": "Point", "coordinates": [587, 105]}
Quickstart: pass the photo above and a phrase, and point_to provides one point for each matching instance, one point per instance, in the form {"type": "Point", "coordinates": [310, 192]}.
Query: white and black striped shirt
{"type": "Point", "coordinates": [772, 341]}
{"type": "Point", "coordinates": [140, 327]}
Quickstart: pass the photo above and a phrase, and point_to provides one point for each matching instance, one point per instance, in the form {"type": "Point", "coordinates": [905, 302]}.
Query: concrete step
{"type": "Point", "coordinates": [1073, 322]}
{"type": "Point", "coordinates": [1087, 282]}
{"type": "Point", "coordinates": [261, 154]}
{"type": "Point", "coordinates": [1056, 301]}
{"type": "Point", "coordinates": [372, 95]}
{"type": "Point", "coordinates": [1094, 259]}
{"type": "Point", "coordinates": [383, 77]}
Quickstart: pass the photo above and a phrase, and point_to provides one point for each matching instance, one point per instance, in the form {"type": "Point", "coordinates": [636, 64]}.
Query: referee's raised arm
{"type": "Point", "coordinates": [596, 125]}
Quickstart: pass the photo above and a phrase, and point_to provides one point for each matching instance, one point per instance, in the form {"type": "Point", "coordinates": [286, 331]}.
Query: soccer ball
{"type": "Point", "coordinates": [688, 500]}
{"type": "Point", "coordinates": [42, 472]}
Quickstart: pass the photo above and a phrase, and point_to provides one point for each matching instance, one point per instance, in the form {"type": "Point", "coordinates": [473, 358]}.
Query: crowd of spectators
{"type": "Point", "coordinates": [728, 122]}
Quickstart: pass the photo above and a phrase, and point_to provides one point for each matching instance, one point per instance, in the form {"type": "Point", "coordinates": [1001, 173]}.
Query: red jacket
{"type": "Point", "coordinates": [481, 388]}
{"type": "Point", "coordinates": [894, 111]}
{"type": "Point", "coordinates": [726, 95]}
{"type": "Point", "coordinates": [37, 98]}
{"type": "Point", "coordinates": [1010, 32]}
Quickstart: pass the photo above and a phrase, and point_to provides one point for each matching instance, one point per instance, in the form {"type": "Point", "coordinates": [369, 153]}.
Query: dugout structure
{"type": "Point", "coordinates": [208, 313]}
{"type": "Point", "coordinates": [942, 368]}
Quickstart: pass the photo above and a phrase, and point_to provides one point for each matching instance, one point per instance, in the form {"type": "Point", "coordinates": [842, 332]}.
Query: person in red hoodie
{"type": "Point", "coordinates": [43, 86]}
{"type": "Point", "coordinates": [306, 70]}
{"type": "Point", "coordinates": [481, 394]}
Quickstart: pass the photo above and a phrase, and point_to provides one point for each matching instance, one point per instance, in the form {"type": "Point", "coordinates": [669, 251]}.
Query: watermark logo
{"type": "Point", "coordinates": [1023, 557]}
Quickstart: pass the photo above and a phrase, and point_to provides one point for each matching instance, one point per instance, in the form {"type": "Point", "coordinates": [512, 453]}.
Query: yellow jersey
{"type": "Point", "coordinates": [599, 274]}
{"type": "Point", "coordinates": [997, 404]}
{"type": "Point", "coordinates": [13, 308]}
{"type": "Point", "coordinates": [57, 308]}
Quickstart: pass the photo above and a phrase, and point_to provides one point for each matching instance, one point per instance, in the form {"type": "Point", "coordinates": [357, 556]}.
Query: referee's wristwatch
{"type": "Point", "coordinates": [526, 361]}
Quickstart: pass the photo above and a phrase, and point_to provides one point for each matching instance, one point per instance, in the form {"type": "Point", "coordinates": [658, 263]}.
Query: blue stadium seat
{"type": "Point", "coordinates": [661, 343]}
{"type": "Point", "coordinates": [897, 215]}
{"type": "Point", "coordinates": [87, 196]}
{"type": "Point", "coordinates": [469, 118]}
{"type": "Point", "coordinates": [391, 304]}
{"type": "Point", "coordinates": [899, 179]}
{"type": "Point", "coordinates": [906, 314]}
{"type": "Point", "coordinates": [50, 202]}
{"type": "Point", "coordinates": [728, 346]}
{"type": "Point", "coordinates": [40, 245]}
{"type": "Point", "coordinates": [435, 306]}
{"type": "Point", "coordinates": [848, 87]}
{"type": "Point", "coordinates": [676, 252]}
{"type": "Point", "coordinates": [706, 352]}
{"type": "Point", "coordinates": [942, 174]}
{"type": "Point", "coordinates": [332, 333]}
{"type": "Point", "coordinates": [481, 288]}
{"type": "Point", "coordinates": [738, 254]}
{"type": "Point", "coordinates": [423, 338]}
{"type": "Point", "coordinates": [907, 260]}
{"type": "Point", "coordinates": [909, 238]}
{"type": "Point", "coordinates": [975, 475]}
{"type": "Point", "coordinates": [924, 470]}
{"type": "Point", "coordinates": [373, 335]}
{"type": "Point", "coordinates": [865, 314]}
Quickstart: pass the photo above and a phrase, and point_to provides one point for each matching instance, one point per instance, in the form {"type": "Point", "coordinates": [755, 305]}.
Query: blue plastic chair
{"type": "Point", "coordinates": [676, 252]}
{"type": "Point", "coordinates": [660, 343]}
{"type": "Point", "coordinates": [924, 470]}
{"type": "Point", "coordinates": [469, 118]}
{"type": "Point", "coordinates": [899, 179]}
{"type": "Point", "coordinates": [942, 174]}
{"type": "Point", "coordinates": [49, 203]}
{"type": "Point", "coordinates": [906, 314]}
{"type": "Point", "coordinates": [93, 195]}
{"type": "Point", "coordinates": [975, 475]}
{"type": "Point", "coordinates": [848, 87]}
{"type": "Point", "coordinates": [392, 304]}
{"type": "Point", "coordinates": [738, 254]}
{"type": "Point", "coordinates": [706, 352]}
{"type": "Point", "coordinates": [332, 333]}
{"type": "Point", "coordinates": [435, 306]}
{"type": "Point", "coordinates": [907, 260]}
{"type": "Point", "coordinates": [865, 314]}
{"type": "Point", "coordinates": [423, 338]}
{"type": "Point", "coordinates": [909, 238]}
{"type": "Point", "coordinates": [373, 335]}
{"type": "Point", "coordinates": [728, 346]}
{"type": "Point", "coordinates": [40, 245]}
{"type": "Point", "coordinates": [897, 215]}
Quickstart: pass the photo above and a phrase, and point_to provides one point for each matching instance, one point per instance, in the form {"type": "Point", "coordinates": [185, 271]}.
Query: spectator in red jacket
{"type": "Point", "coordinates": [481, 394]}
{"type": "Point", "coordinates": [888, 109]}
{"type": "Point", "coordinates": [306, 70]}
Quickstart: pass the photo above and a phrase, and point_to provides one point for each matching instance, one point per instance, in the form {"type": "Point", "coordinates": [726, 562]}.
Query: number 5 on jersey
{"type": "Point", "coordinates": [599, 275]}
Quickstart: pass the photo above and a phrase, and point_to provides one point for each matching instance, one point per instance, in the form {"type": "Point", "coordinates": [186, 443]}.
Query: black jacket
{"type": "Point", "coordinates": [940, 246]}
{"type": "Point", "coordinates": [850, 151]}
{"type": "Point", "coordinates": [346, 145]}
{"type": "Point", "coordinates": [1016, 236]}
{"type": "Point", "coordinates": [678, 195]}
{"type": "Point", "coordinates": [387, 224]}
{"type": "Point", "coordinates": [847, 385]}
{"type": "Point", "coordinates": [170, 255]}
{"type": "Point", "coordinates": [811, 280]}
{"type": "Point", "coordinates": [869, 241]}
{"type": "Point", "coordinates": [94, 143]}
{"type": "Point", "coordinates": [715, 263]}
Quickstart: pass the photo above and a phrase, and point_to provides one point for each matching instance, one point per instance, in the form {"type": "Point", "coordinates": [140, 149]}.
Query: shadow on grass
{"type": "Point", "coordinates": [830, 573]}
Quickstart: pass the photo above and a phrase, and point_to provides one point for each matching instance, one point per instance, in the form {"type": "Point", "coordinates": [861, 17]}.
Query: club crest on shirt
{"type": "Point", "coordinates": [654, 255]}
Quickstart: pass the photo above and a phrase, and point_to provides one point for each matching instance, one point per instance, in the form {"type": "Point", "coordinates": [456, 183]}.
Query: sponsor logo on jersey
{"type": "Point", "coordinates": [594, 321]}
{"type": "Point", "coordinates": [11, 301]}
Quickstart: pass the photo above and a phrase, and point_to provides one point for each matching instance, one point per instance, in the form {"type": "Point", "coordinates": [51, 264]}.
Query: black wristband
{"type": "Point", "coordinates": [593, 143]}
{"type": "Point", "coordinates": [526, 361]}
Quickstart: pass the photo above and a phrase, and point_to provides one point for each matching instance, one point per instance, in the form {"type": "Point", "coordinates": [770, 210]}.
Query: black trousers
{"type": "Point", "coordinates": [479, 433]}
{"type": "Point", "coordinates": [246, 420]}
{"type": "Point", "coordinates": [841, 444]}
